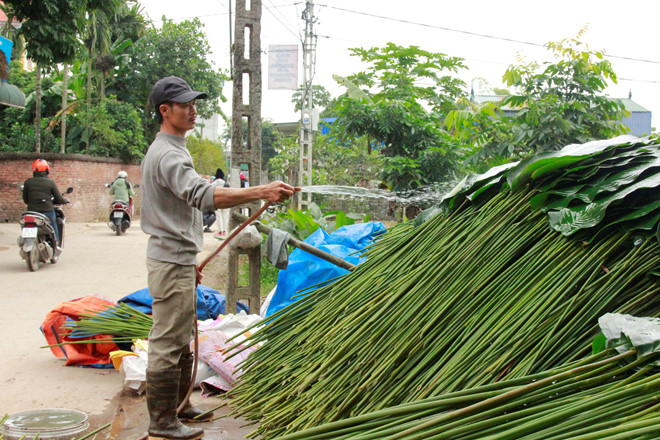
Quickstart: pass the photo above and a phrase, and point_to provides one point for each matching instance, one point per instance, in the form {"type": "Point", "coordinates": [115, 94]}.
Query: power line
{"type": "Point", "coordinates": [279, 10]}
{"type": "Point", "coordinates": [650, 81]}
{"type": "Point", "coordinates": [475, 34]}
{"type": "Point", "coordinates": [281, 22]}
{"type": "Point", "coordinates": [189, 18]}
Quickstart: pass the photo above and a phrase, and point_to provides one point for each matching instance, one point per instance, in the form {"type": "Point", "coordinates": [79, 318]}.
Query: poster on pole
{"type": "Point", "coordinates": [282, 67]}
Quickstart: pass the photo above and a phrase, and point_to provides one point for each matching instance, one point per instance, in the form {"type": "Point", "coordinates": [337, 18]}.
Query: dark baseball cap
{"type": "Point", "coordinates": [173, 89]}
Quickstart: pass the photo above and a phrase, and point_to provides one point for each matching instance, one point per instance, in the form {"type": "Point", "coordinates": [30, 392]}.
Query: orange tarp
{"type": "Point", "coordinates": [77, 354]}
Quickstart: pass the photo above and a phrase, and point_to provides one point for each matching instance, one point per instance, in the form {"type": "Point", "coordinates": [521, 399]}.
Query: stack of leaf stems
{"type": "Point", "coordinates": [374, 339]}
{"type": "Point", "coordinates": [123, 322]}
{"type": "Point", "coordinates": [557, 404]}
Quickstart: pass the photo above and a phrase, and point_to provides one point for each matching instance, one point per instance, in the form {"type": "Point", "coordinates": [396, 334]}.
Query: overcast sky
{"type": "Point", "coordinates": [488, 35]}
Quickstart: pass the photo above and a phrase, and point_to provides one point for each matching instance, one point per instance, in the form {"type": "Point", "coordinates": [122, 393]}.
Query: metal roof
{"type": "Point", "coordinates": [11, 95]}
{"type": "Point", "coordinates": [631, 105]}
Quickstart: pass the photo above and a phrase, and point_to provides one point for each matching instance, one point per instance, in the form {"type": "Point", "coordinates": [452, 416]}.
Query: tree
{"type": "Point", "coordinates": [335, 162]}
{"type": "Point", "coordinates": [115, 131]}
{"type": "Point", "coordinates": [50, 29]}
{"type": "Point", "coordinates": [407, 93]}
{"type": "Point", "coordinates": [564, 103]}
{"type": "Point", "coordinates": [558, 104]}
{"type": "Point", "coordinates": [207, 155]}
{"type": "Point", "coordinates": [113, 28]}
{"type": "Point", "coordinates": [179, 49]}
{"type": "Point", "coordinates": [320, 97]}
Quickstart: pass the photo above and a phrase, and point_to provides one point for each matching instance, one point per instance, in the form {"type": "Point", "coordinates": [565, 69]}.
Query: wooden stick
{"type": "Point", "coordinates": [300, 245]}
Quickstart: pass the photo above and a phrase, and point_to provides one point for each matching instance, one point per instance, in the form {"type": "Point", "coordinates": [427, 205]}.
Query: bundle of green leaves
{"type": "Point", "coordinates": [483, 290]}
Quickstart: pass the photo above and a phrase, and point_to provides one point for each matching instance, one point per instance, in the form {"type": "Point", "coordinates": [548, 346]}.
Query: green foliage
{"type": "Point", "coordinates": [301, 224]}
{"type": "Point", "coordinates": [335, 162]}
{"type": "Point", "coordinates": [179, 49]}
{"type": "Point", "coordinates": [268, 279]}
{"type": "Point", "coordinates": [115, 131]}
{"type": "Point", "coordinates": [50, 28]}
{"type": "Point", "coordinates": [563, 103]}
{"type": "Point", "coordinates": [20, 138]}
{"type": "Point", "coordinates": [559, 104]}
{"type": "Point", "coordinates": [207, 155]}
{"type": "Point", "coordinates": [403, 115]}
{"type": "Point", "coordinates": [320, 97]}
{"type": "Point", "coordinates": [51, 101]}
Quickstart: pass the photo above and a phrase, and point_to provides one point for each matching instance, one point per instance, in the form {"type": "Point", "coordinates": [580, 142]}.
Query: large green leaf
{"type": "Point", "coordinates": [588, 191]}
{"type": "Point", "coordinates": [549, 162]}
{"type": "Point", "coordinates": [473, 182]}
{"type": "Point", "coordinates": [569, 220]}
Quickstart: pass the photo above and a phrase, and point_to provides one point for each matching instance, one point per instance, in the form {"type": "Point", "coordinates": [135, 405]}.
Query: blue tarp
{"type": "Point", "coordinates": [306, 270]}
{"type": "Point", "coordinates": [210, 302]}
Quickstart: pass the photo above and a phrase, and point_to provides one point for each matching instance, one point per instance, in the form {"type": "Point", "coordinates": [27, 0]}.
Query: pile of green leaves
{"type": "Point", "coordinates": [483, 290]}
{"type": "Point", "coordinates": [585, 189]}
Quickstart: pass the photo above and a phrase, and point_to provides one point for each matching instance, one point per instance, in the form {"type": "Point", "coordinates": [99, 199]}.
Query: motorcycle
{"type": "Point", "coordinates": [120, 214]}
{"type": "Point", "coordinates": [37, 240]}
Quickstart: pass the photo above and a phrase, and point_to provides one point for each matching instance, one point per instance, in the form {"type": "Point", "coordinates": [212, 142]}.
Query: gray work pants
{"type": "Point", "coordinates": [173, 289]}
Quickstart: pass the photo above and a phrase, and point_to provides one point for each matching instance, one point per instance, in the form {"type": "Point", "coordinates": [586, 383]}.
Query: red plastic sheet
{"type": "Point", "coordinates": [77, 354]}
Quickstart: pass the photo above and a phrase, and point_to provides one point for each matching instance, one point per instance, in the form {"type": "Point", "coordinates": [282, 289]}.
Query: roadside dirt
{"type": "Point", "coordinates": [94, 262]}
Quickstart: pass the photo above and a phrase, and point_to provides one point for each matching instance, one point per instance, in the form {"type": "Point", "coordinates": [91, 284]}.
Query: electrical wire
{"type": "Point", "coordinates": [281, 22]}
{"type": "Point", "coordinates": [475, 34]}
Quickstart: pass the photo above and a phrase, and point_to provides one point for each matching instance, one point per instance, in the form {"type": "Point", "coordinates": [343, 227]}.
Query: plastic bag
{"type": "Point", "coordinates": [306, 270]}
{"type": "Point", "coordinates": [248, 238]}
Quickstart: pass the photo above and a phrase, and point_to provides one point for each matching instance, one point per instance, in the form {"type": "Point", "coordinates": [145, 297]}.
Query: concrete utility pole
{"type": "Point", "coordinates": [308, 121]}
{"type": "Point", "coordinates": [246, 75]}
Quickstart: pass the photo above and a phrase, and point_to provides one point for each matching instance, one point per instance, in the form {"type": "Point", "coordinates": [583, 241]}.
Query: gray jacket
{"type": "Point", "coordinates": [173, 196]}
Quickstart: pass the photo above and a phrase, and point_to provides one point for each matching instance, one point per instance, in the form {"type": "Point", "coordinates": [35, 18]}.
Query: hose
{"type": "Point", "coordinates": [200, 268]}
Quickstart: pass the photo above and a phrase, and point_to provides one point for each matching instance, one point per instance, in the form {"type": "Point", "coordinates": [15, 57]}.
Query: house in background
{"type": "Point", "coordinates": [639, 121]}
{"type": "Point", "coordinates": [207, 128]}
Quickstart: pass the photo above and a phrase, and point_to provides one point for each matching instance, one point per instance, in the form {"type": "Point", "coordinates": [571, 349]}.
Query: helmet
{"type": "Point", "coordinates": [242, 176]}
{"type": "Point", "coordinates": [40, 165]}
{"type": "Point", "coordinates": [123, 174]}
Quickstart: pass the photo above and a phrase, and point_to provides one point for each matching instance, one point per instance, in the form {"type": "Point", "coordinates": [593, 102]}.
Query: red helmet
{"type": "Point", "coordinates": [40, 165]}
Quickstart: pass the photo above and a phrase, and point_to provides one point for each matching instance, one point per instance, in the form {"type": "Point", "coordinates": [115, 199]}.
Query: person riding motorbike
{"type": "Point", "coordinates": [122, 189]}
{"type": "Point", "coordinates": [40, 193]}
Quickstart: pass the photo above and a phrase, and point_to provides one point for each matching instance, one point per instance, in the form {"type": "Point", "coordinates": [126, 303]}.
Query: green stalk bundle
{"type": "Point", "coordinates": [461, 301]}
{"type": "Point", "coordinates": [598, 398]}
{"type": "Point", "coordinates": [122, 321]}
{"type": "Point", "coordinates": [486, 290]}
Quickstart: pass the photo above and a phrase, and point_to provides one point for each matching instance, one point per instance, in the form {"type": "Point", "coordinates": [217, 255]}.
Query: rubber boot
{"type": "Point", "coordinates": [162, 397]}
{"type": "Point", "coordinates": [189, 412]}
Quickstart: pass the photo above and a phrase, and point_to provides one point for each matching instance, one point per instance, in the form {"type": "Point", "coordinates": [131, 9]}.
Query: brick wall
{"type": "Point", "coordinates": [87, 175]}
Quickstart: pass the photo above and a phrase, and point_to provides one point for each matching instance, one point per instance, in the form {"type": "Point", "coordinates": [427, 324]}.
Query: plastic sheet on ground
{"type": "Point", "coordinates": [625, 331]}
{"type": "Point", "coordinates": [306, 270]}
{"type": "Point", "coordinates": [88, 355]}
{"type": "Point", "coordinates": [210, 302]}
{"type": "Point", "coordinates": [213, 337]}
{"type": "Point", "coordinates": [133, 366]}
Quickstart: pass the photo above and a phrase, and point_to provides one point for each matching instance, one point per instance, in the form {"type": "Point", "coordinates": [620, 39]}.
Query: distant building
{"type": "Point", "coordinates": [207, 128]}
{"type": "Point", "coordinates": [639, 121]}
{"type": "Point", "coordinates": [289, 128]}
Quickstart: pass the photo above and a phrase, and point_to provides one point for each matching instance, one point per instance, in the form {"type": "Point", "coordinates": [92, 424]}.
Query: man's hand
{"type": "Point", "coordinates": [198, 275]}
{"type": "Point", "coordinates": [277, 191]}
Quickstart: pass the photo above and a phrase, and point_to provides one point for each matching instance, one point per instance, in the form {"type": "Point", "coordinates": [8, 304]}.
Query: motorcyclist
{"type": "Point", "coordinates": [122, 188]}
{"type": "Point", "coordinates": [40, 193]}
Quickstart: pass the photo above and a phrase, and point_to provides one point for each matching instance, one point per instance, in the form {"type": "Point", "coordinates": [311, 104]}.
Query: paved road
{"type": "Point", "coordinates": [95, 261]}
